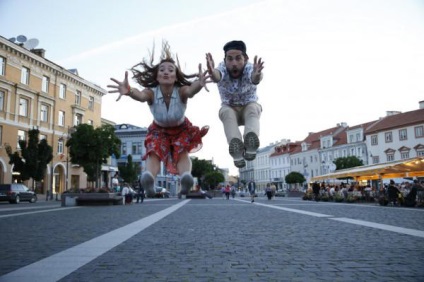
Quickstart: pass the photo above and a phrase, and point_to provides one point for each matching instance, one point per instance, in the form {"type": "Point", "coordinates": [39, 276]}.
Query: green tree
{"type": "Point", "coordinates": [32, 160]}
{"type": "Point", "coordinates": [90, 148]}
{"type": "Point", "coordinates": [347, 162]}
{"type": "Point", "coordinates": [129, 171]}
{"type": "Point", "coordinates": [213, 178]}
{"type": "Point", "coordinates": [200, 168]}
{"type": "Point", "coordinates": [295, 177]}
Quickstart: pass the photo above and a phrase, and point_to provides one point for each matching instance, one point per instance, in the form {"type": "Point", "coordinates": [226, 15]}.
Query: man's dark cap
{"type": "Point", "coordinates": [235, 45]}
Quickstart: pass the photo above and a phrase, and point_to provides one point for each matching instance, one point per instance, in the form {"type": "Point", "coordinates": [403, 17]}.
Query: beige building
{"type": "Point", "coordinates": [37, 93]}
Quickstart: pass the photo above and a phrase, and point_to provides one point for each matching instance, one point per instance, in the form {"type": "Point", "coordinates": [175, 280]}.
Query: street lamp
{"type": "Point", "coordinates": [61, 139]}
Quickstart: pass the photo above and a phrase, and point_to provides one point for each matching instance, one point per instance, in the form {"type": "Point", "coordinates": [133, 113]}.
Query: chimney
{"type": "Point", "coordinates": [392, 113]}
{"type": "Point", "coordinates": [421, 103]}
{"type": "Point", "coordinates": [40, 52]}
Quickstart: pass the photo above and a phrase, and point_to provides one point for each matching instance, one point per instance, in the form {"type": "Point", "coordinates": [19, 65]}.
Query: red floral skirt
{"type": "Point", "coordinates": [169, 142]}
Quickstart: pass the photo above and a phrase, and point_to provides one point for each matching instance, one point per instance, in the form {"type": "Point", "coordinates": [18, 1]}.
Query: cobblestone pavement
{"type": "Point", "coordinates": [285, 239]}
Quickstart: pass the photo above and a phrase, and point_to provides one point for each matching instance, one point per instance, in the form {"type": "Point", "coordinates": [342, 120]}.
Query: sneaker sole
{"type": "Point", "coordinates": [240, 163]}
{"type": "Point", "coordinates": [236, 148]}
{"type": "Point", "coordinates": [187, 182]}
{"type": "Point", "coordinates": [249, 157]}
{"type": "Point", "coordinates": [251, 143]}
{"type": "Point", "coordinates": [147, 181]}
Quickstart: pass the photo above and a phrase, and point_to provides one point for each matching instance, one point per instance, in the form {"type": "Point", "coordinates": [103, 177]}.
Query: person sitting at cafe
{"type": "Point", "coordinates": [394, 194]}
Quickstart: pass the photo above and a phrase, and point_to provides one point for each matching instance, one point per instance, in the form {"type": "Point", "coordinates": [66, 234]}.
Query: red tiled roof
{"type": "Point", "coordinates": [397, 120]}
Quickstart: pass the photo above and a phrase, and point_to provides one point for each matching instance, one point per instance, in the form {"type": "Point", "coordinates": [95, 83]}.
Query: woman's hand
{"type": "Point", "coordinates": [123, 88]}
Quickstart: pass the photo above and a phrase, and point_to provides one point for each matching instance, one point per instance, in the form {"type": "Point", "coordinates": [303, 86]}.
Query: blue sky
{"type": "Point", "coordinates": [326, 61]}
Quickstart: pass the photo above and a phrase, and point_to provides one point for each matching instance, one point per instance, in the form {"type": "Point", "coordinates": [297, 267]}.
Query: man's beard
{"type": "Point", "coordinates": [238, 74]}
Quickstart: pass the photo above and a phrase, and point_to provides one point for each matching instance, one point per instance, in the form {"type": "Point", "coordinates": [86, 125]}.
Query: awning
{"type": "Point", "coordinates": [406, 168]}
{"type": "Point", "coordinates": [109, 168]}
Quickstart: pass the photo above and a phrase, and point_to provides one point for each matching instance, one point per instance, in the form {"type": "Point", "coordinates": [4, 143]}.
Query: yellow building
{"type": "Point", "coordinates": [37, 93]}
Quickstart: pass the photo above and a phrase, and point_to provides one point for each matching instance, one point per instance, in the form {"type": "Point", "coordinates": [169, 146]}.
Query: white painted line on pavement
{"type": "Point", "coordinates": [49, 210]}
{"type": "Point", "coordinates": [401, 230]}
{"type": "Point", "coordinates": [294, 210]}
{"type": "Point", "coordinates": [407, 231]}
{"type": "Point", "coordinates": [67, 261]}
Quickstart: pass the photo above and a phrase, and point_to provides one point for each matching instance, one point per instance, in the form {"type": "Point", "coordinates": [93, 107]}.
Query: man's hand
{"type": "Point", "coordinates": [258, 66]}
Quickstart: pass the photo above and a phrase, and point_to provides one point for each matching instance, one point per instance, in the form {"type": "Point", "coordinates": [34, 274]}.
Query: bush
{"type": "Point", "coordinates": [383, 201]}
{"type": "Point", "coordinates": [338, 198]}
{"type": "Point", "coordinates": [350, 199]}
{"type": "Point", "coordinates": [308, 196]}
{"type": "Point", "coordinates": [325, 198]}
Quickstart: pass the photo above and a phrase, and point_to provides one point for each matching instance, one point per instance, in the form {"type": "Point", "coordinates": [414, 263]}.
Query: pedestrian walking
{"type": "Point", "coordinates": [252, 190]}
{"type": "Point", "coordinates": [227, 191]}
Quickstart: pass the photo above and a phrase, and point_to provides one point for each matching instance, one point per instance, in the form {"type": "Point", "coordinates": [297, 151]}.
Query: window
{"type": "Point", "coordinates": [404, 155]}
{"type": "Point", "coordinates": [2, 95]}
{"type": "Point", "coordinates": [375, 160]}
{"type": "Point", "coordinates": [78, 98]}
{"type": "Point", "coordinates": [90, 122]}
{"type": "Point", "coordinates": [78, 119]}
{"type": "Point", "coordinates": [60, 146]}
{"type": "Point", "coordinates": [21, 136]}
{"type": "Point", "coordinates": [124, 149]}
{"type": "Point", "coordinates": [61, 120]}
{"type": "Point", "coordinates": [62, 91]}
{"type": "Point", "coordinates": [403, 134]}
{"type": "Point", "coordinates": [350, 138]}
{"type": "Point", "coordinates": [2, 65]}
{"type": "Point", "coordinates": [390, 157]}
{"type": "Point", "coordinates": [91, 103]}
{"type": "Point", "coordinates": [45, 84]}
{"type": "Point", "coordinates": [388, 137]}
{"type": "Point", "coordinates": [419, 131]}
{"type": "Point", "coordinates": [374, 140]}
{"type": "Point", "coordinates": [136, 148]}
{"type": "Point", "coordinates": [23, 107]}
{"type": "Point", "coordinates": [44, 113]}
{"type": "Point", "coordinates": [1, 135]}
{"type": "Point", "coordinates": [25, 75]}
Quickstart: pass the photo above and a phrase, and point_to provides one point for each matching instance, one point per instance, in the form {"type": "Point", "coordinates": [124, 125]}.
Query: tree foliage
{"type": "Point", "coordinates": [32, 160]}
{"type": "Point", "coordinates": [90, 147]}
{"type": "Point", "coordinates": [294, 177]}
{"type": "Point", "coordinates": [129, 172]}
{"type": "Point", "coordinates": [200, 168]}
{"type": "Point", "coordinates": [213, 178]}
{"type": "Point", "coordinates": [347, 162]}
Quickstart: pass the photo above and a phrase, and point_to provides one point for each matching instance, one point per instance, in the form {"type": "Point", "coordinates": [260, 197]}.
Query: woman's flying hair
{"type": "Point", "coordinates": [147, 76]}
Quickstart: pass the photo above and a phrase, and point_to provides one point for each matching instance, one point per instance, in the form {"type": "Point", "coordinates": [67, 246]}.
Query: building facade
{"type": "Point", "coordinates": [397, 136]}
{"type": "Point", "coordinates": [37, 93]}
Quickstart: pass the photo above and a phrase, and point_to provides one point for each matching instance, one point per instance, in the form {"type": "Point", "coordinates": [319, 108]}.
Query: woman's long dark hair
{"type": "Point", "coordinates": [147, 76]}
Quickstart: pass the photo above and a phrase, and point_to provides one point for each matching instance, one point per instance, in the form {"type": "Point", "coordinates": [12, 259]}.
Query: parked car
{"type": "Point", "coordinates": [280, 194]}
{"type": "Point", "coordinates": [161, 192]}
{"type": "Point", "coordinates": [16, 192]}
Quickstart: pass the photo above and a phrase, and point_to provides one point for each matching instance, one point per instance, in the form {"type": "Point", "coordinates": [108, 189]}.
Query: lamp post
{"type": "Point", "coordinates": [61, 139]}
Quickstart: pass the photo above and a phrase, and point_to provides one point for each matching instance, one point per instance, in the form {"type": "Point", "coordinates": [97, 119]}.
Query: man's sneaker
{"type": "Point", "coordinates": [147, 181]}
{"type": "Point", "coordinates": [187, 182]}
{"type": "Point", "coordinates": [236, 149]}
{"type": "Point", "coordinates": [240, 163]}
{"type": "Point", "coordinates": [251, 144]}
